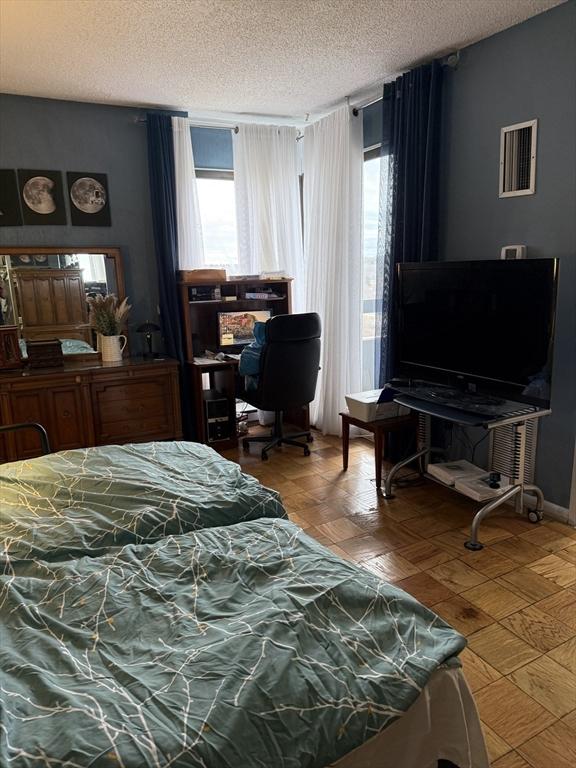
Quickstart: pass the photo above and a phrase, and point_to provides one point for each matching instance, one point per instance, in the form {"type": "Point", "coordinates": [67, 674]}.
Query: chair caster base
{"type": "Point", "coordinates": [264, 456]}
{"type": "Point", "coordinates": [310, 438]}
{"type": "Point", "coordinates": [474, 546]}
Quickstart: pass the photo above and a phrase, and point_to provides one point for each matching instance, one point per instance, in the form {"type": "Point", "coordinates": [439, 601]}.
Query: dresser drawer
{"type": "Point", "coordinates": [133, 410]}
{"type": "Point", "coordinates": [130, 390]}
{"type": "Point", "coordinates": [135, 430]}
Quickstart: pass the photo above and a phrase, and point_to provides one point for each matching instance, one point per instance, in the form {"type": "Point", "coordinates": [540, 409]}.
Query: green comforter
{"type": "Point", "coordinates": [84, 501]}
{"type": "Point", "coordinates": [245, 646]}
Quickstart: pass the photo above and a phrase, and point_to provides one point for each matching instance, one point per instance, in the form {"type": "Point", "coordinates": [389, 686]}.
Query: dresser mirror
{"type": "Point", "coordinates": [44, 291]}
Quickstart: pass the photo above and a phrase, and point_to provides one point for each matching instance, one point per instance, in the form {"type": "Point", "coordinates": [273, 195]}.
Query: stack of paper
{"type": "Point", "coordinates": [478, 488]}
{"type": "Point", "coordinates": [450, 471]}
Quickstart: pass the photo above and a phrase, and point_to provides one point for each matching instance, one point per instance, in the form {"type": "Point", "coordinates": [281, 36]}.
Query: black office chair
{"type": "Point", "coordinates": [289, 366]}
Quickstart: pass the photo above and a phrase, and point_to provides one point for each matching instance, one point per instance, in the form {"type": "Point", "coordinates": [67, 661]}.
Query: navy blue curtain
{"type": "Point", "coordinates": [163, 199]}
{"type": "Point", "coordinates": [411, 118]}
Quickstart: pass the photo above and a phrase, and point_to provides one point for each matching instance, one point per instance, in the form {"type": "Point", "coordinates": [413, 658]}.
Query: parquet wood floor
{"type": "Point", "coordinates": [515, 600]}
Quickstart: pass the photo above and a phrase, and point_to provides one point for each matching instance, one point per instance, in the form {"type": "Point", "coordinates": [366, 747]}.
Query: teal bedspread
{"type": "Point", "coordinates": [83, 502]}
{"type": "Point", "coordinates": [244, 646]}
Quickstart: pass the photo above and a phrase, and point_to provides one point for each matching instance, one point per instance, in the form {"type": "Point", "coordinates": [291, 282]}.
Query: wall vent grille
{"type": "Point", "coordinates": [518, 159]}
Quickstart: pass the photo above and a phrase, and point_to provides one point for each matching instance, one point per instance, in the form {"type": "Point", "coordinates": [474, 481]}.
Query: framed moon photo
{"type": "Point", "coordinates": [10, 215]}
{"type": "Point", "coordinates": [89, 199]}
{"type": "Point", "coordinates": [42, 197]}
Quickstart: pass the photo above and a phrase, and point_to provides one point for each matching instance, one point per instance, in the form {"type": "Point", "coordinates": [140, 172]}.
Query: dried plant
{"type": "Point", "coordinates": [107, 317]}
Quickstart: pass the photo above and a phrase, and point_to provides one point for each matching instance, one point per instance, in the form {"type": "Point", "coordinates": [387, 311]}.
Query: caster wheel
{"type": "Point", "coordinates": [306, 451]}
{"type": "Point", "coordinates": [245, 445]}
{"type": "Point", "coordinates": [535, 516]}
{"type": "Point", "coordinates": [264, 456]}
{"type": "Point", "coordinates": [310, 439]}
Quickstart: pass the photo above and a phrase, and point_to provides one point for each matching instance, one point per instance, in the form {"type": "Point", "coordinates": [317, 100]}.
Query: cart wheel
{"type": "Point", "coordinates": [306, 451]}
{"type": "Point", "coordinates": [264, 456]}
{"type": "Point", "coordinates": [535, 516]}
{"type": "Point", "coordinates": [245, 445]}
{"type": "Point", "coordinates": [309, 438]}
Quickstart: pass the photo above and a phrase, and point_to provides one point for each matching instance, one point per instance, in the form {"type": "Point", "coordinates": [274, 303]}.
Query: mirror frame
{"type": "Point", "coordinates": [109, 253]}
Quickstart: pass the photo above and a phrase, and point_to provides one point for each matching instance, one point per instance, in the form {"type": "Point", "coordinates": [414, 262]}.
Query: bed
{"type": "Point", "coordinates": [201, 640]}
{"type": "Point", "coordinates": [84, 501]}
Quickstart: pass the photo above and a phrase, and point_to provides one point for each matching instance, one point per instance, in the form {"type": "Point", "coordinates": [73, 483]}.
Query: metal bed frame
{"type": "Point", "coordinates": [44, 442]}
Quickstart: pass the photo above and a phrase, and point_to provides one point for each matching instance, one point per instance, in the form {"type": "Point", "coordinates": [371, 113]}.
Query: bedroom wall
{"type": "Point", "coordinates": [71, 136]}
{"type": "Point", "coordinates": [522, 73]}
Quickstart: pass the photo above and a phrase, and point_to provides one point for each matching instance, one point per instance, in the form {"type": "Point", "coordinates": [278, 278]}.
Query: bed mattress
{"type": "Point", "coordinates": [84, 501]}
{"type": "Point", "coordinates": [245, 645]}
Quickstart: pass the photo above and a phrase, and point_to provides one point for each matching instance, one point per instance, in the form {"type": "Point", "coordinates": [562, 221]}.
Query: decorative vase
{"type": "Point", "coordinates": [111, 348]}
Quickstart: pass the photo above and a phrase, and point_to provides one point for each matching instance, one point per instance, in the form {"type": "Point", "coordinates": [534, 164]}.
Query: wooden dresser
{"type": "Point", "coordinates": [88, 403]}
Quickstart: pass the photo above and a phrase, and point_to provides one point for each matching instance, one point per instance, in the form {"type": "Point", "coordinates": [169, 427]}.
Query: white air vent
{"type": "Point", "coordinates": [518, 159]}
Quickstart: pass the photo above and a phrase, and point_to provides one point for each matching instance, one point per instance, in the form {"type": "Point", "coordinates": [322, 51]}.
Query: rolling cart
{"type": "Point", "coordinates": [512, 452]}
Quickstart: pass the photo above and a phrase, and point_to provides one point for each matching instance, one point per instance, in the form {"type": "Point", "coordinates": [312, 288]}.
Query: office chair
{"type": "Point", "coordinates": [289, 366]}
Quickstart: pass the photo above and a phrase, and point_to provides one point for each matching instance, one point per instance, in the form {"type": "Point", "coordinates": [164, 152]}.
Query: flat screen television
{"type": "Point", "coordinates": [486, 323]}
{"type": "Point", "coordinates": [237, 328]}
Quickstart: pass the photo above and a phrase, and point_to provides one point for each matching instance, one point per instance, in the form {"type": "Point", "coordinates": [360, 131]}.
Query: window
{"type": "Point", "coordinates": [218, 216]}
{"type": "Point", "coordinates": [371, 199]}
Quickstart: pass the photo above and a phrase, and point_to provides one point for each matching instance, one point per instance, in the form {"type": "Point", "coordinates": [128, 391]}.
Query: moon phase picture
{"type": "Point", "coordinates": [89, 200]}
{"type": "Point", "coordinates": [42, 198]}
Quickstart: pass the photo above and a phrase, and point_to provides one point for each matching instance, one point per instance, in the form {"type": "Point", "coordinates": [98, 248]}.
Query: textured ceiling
{"type": "Point", "coordinates": [283, 57]}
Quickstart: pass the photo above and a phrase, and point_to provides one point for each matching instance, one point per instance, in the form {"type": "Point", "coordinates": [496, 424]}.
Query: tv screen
{"type": "Point", "coordinates": [235, 328]}
{"type": "Point", "coordinates": [489, 322]}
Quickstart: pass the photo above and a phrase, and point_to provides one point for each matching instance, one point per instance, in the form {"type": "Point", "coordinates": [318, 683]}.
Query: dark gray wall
{"type": "Point", "coordinates": [70, 136]}
{"type": "Point", "coordinates": [522, 73]}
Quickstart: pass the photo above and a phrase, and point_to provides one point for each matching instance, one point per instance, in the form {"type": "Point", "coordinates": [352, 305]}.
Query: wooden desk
{"type": "Point", "coordinates": [222, 375]}
{"type": "Point", "coordinates": [378, 428]}
{"type": "Point", "coordinates": [224, 379]}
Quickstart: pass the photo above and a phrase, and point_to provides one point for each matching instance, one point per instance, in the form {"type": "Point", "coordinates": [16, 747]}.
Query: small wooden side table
{"type": "Point", "coordinates": [378, 427]}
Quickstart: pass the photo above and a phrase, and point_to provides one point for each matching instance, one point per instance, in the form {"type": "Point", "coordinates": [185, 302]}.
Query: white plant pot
{"type": "Point", "coordinates": [111, 348]}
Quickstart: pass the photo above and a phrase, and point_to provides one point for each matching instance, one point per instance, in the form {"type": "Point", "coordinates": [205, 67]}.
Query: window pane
{"type": "Point", "coordinates": [218, 216]}
{"type": "Point", "coordinates": [371, 182]}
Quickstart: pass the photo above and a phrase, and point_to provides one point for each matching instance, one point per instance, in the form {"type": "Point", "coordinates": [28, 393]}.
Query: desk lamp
{"type": "Point", "coordinates": [148, 329]}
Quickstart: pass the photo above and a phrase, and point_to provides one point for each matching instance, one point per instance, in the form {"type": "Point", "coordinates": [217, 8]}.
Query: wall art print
{"type": "Point", "coordinates": [10, 214]}
{"type": "Point", "coordinates": [89, 199]}
{"type": "Point", "coordinates": [41, 197]}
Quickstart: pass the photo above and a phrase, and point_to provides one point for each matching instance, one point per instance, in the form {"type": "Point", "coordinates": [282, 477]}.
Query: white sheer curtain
{"type": "Point", "coordinates": [333, 253]}
{"type": "Point", "coordinates": [190, 243]}
{"type": "Point", "coordinates": [268, 213]}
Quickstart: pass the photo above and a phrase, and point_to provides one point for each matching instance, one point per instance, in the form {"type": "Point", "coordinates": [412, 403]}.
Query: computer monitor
{"type": "Point", "coordinates": [236, 328]}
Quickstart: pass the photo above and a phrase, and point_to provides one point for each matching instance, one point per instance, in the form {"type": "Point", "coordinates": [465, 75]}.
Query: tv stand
{"type": "Point", "coordinates": [480, 404]}
{"type": "Point", "coordinates": [513, 438]}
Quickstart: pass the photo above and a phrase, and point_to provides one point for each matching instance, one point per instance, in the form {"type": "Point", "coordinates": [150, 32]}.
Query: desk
{"type": "Point", "coordinates": [225, 380]}
{"type": "Point", "coordinates": [222, 374]}
{"type": "Point", "coordinates": [378, 427]}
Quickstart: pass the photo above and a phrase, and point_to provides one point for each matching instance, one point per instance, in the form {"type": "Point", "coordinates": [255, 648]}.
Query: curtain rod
{"type": "Point", "coordinates": [234, 128]}
{"type": "Point", "coordinates": [451, 60]}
